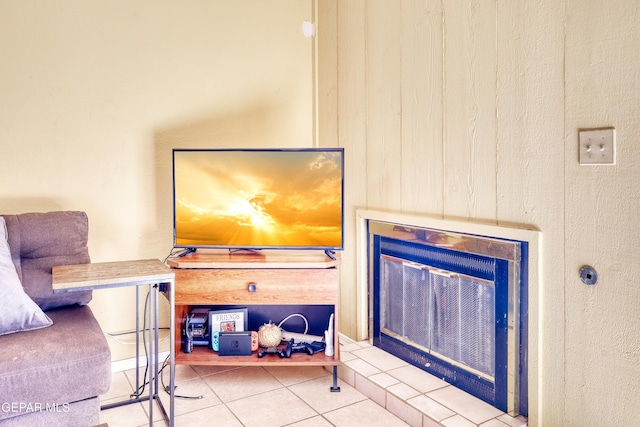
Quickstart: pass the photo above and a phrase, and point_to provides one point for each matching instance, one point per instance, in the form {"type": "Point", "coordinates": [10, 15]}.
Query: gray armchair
{"type": "Point", "coordinates": [54, 359]}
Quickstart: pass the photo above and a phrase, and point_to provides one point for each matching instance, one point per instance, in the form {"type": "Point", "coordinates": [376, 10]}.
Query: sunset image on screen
{"type": "Point", "coordinates": [250, 199]}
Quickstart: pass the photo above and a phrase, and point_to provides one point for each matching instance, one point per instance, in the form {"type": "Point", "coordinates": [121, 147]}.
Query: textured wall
{"type": "Point", "coordinates": [470, 110]}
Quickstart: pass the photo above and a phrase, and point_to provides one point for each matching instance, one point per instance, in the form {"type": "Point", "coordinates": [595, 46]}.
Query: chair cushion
{"type": "Point", "coordinates": [63, 363]}
{"type": "Point", "coordinates": [41, 240]}
{"type": "Point", "coordinates": [18, 312]}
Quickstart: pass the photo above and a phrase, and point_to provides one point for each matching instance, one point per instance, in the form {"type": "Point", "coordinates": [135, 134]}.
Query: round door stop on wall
{"type": "Point", "coordinates": [588, 275]}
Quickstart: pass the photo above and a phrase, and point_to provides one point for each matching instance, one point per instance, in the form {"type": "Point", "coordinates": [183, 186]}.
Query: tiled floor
{"type": "Point", "coordinates": [377, 389]}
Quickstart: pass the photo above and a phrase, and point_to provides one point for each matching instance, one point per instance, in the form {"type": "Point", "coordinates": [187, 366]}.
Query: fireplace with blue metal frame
{"type": "Point", "coordinates": [453, 305]}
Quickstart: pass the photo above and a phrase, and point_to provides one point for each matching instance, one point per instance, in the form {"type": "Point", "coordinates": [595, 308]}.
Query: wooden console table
{"type": "Point", "coordinates": [159, 278]}
{"type": "Point", "coordinates": [267, 280]}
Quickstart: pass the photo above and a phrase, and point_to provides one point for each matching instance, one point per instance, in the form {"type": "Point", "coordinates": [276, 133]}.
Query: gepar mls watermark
{"type": "Point", "coordinates": [26, 407]}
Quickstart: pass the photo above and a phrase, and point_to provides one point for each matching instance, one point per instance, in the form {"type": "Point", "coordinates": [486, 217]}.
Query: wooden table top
{"type": "Point", "coordinates": [110, 274]}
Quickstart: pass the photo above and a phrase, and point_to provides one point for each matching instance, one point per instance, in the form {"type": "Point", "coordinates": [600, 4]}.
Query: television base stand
{"type": "Point", "coordinates": [187, 251]}
{"type": "Point", "coordinates": [331, 254]}
{"type": "Point", "coordinates": [251, 250]}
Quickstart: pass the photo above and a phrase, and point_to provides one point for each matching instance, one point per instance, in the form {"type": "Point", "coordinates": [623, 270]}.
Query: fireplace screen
{"type": "Point", "coordinates": [441, 312]}
{"type": "Point", "coordinates": [451, 305]}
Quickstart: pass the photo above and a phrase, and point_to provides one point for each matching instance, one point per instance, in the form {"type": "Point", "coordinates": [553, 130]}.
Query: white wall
{"type": "Point", "coordinates": [95, 94]}
{"type": "Point", "coordinates": [470, 110]}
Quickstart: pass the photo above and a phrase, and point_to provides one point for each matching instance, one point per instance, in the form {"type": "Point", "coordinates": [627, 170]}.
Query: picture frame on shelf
{"type": "Point", "coordinates": [229, 320]}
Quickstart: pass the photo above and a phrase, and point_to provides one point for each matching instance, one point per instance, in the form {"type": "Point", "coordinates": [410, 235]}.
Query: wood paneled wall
{"type": "Point", "coordinates": [470, 110]}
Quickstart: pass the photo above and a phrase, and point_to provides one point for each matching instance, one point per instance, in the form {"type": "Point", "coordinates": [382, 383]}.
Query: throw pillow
{"type": "Point", "coordinates": [18, 312]}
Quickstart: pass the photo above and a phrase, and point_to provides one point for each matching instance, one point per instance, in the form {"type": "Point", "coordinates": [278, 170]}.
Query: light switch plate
{"type": "Point", "coordinates": [598, 146]}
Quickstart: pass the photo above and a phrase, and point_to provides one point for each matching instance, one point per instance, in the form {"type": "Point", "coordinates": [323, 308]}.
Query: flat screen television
{"type": "Point", "coordinates": [258, 198]}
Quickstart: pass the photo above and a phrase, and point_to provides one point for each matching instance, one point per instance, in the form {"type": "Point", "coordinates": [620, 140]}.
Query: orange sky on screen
{"type": "Point", "coordinates": [258, 198]}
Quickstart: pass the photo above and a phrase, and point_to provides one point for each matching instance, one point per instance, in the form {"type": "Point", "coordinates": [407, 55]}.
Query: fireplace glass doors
{"type": "Point", "coordinates": [441, 312]}
{"type": "Point", "coordinates": [451, 305]}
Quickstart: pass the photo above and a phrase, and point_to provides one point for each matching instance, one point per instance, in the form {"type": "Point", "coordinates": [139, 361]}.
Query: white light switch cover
{"type": "Point", "coordinates": [598, 146]}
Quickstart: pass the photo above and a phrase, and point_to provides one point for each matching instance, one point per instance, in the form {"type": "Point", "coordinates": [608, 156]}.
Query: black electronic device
{"type": "Point", "coordinates": [215, 340]}
{"type": "Point", "coordinates": [187, 337]}
{"type": "Point", "coordinates": [270, 350]}
{"type": "Point", "coordinates": [234, 343]}
{"type": "Point", "coordinates": [196, 331]}
{"type": "Point", "coordinates": [307, 347]}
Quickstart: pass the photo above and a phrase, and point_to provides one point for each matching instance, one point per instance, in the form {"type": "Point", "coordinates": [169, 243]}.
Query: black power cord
{"type": "Point", "coordinates": [137, 393]}
{"type": "Point", "coordinates": [167, 388]}
{"type": "Point", "coordinates": [141, 388]}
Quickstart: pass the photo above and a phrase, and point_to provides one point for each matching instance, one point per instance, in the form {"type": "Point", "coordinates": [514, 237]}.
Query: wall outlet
{"type": "Point", "coordinates": [598, 146]}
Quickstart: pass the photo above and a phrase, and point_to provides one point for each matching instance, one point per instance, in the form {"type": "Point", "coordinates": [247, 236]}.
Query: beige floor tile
{"type": "Point", "coordinates": [191, 395]}
{"type": "Point", "coordinates": [420, 380]}
{"type": "Point", "coordinates": [203, 371]}
{"type": "Point", "coordinates": [120, 389]}
{"type": "Point", "coordinates": [241, 383]}
{"type": "Point", "coordinates": [372, 390]}
{"type": "Point", "coordinates": [403, 391]}
{"type": "Point", "coordinates": [350, 347]}
{"type": "Point", "coordinates": [347, 375]}
{"type": "Point", "coordinates": [143, 381]}
{"type": "Point", "coordinates": [318, 421]}
{"type": "Point", "coordinates": [183, 373]}
{"type": "Point", "coordinates": [316, 394]}
{"type": "Point", "coordinates": [494, 422]}
{"type": "Point", "coordinates": [289, 375]}
{"type": "Point", "coordinates": [131, 376]}
{"type": "Point", "coordinates": [383, 379]}
{"type": "Point", "coordinates": [513, 421]}
{"type": "Point", "coordinates": [464, 404]}
{"type": "Point", "coordinates": [404, 411]}
{"type": "Point", "coordinates": [457, 421]}
{"type": "Point", "coordinates": [379, 358]}
{"type": "Point", "coordinates": [362, 367]}
{"type": "Point", "coordinates": [428, 422]}
{"type": "Point", "coordinates": [364, 413]}
{"type": "Point", "coordinates": [125, 416]}
{"type": "Point", "coordinates": [430, 407]}
{"type": "Point", "coordinates": [219, 416]}
{"type": "Point", "coordinates": [345, 356]}
{"type": "Point", "coordinates": [275, 408]}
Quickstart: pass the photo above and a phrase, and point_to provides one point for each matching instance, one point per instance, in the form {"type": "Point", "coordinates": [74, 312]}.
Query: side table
{"type": "Point", "coordinates": [160, 278]}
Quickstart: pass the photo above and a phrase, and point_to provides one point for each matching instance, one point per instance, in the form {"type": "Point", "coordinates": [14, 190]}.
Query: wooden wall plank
{"type": "Point", "coordinates": [326, 73]}
{"type": "Point", "coordinates": [352, 131]}
{"type": "Point", "coordinates": [469, 109]}
{"type": "Point", "coordinates": [421, 91]}
{"type": "Point", "coordinates": [383, 76]}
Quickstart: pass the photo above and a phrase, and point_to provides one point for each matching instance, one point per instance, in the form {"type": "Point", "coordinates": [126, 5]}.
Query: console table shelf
{"type": "Point", "coordinates": [205, 356]}
{"type": "Point", "coordinates": [256, 280]}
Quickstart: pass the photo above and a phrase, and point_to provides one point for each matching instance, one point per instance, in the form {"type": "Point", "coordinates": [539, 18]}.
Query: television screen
{"type": "Point", "coordinates": [258, 198]}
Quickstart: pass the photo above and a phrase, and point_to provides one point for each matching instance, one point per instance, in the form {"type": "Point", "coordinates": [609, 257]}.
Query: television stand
{"type": "Point", "coordinates": [271, 285]}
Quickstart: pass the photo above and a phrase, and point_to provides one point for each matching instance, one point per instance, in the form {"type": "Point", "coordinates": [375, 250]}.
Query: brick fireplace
{"type": "Point", "coordinates": [451, 301]}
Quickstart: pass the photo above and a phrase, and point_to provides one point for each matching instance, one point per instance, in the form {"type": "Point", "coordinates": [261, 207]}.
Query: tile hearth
{"type": "Point", "coordinates": [415, 396]}
{"type": "Point", "coordinates": [377, 389]}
